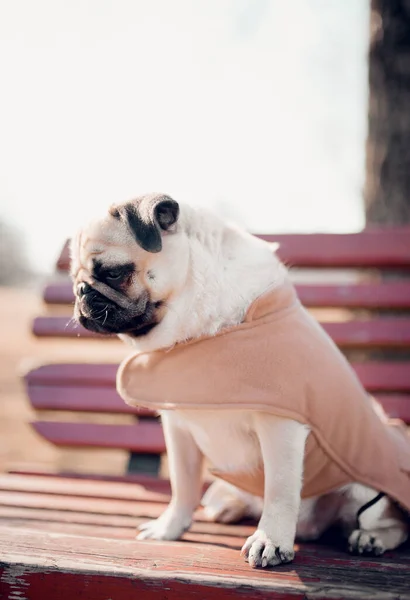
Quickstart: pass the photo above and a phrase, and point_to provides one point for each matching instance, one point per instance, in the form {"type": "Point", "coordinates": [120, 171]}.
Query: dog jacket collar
{"type": "Point", "coordinates": [279, 360]}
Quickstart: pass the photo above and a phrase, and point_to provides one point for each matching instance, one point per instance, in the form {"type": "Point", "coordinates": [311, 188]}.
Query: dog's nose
{"type": "Point", "coordinates": [83, 288]}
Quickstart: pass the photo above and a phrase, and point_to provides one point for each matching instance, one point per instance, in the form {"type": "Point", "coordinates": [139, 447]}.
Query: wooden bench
{"type": "Point", "coordinates": [73, 535]}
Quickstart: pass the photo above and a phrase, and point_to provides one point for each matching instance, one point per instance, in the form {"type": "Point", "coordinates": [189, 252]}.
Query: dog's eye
{"type": "Point", "coordinates": [114, 275]}
{"type": "Point", "coordinates": [118, 277]}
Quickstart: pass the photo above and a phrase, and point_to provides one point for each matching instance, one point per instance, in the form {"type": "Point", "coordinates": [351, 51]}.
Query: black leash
{"type": "Point", "coordinates": [366, 506]}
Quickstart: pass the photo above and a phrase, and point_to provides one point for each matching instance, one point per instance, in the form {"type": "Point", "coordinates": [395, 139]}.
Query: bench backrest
{"type": "Point", "coordinates": [357, 284]}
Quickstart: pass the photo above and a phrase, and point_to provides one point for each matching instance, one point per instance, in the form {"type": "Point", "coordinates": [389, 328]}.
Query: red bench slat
{"type": "Point", "coordinates": [150, 482]}
{"type": "Point", "coordinates": [126, 529]}
{"type": "Point", "coordinates": [105, 400]}
{"type": "Point", "coordinates": [58, 293]}
{"type": "Point", "coordinates": [142, 437]}
{"type": "Point", "coordinates": [370, 295]}
{"type": "Point", "coordinates": [384, 376]}
{"type": "Point", "coordinates": [116, 526]}
{"type": "Point", "coordinates": [63, 261]}
{"type": "Point", "coordinates": [82, 399]}
{"type": "Point", "coordinates": [64, 327]}
{"type": "Point", "coordinates": [138, 490]}
{"type": "Point", "coordinates": [97, 569]}
{"type": "Point", "coordinates": [385, 333]}
{"type": "Point", "coordinates": [375, 376]}
{"type": "Point", "coordinates": [370, 248]}
{"type": "Point", "coordinates": [73, 374]}
{"type": "Point", "coordinates": [388, 332]}
{"type": "Point", "coordinates": [116, 506]}
{"type": "Point", "coordinates": [397, 406]}
{"type": "Point", "coordinates": [379, 248]}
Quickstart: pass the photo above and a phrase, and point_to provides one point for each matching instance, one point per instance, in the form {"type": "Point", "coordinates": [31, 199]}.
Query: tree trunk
{"type": "Point", "coordinates": [387, 189]}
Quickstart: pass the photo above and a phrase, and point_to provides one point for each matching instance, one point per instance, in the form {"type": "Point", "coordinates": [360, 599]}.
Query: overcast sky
{"type": "Point", "coordinates": [254, 107]}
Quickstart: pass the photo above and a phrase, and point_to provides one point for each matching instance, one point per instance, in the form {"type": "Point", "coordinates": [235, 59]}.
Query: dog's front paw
{"type": "Point", "coordinates": [261, 550]}
{"type": "Point", "coordinates": [169, 526]}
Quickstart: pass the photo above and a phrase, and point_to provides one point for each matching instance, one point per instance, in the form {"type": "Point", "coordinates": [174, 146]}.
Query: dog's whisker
{"type": "Point", "coordinates": [98, 314]}
{"type": "Point", "coordinates": [71, 323]}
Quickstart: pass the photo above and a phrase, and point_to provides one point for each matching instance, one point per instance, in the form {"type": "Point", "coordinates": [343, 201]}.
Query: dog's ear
{"type": "Point", "coordinates": [166, 213]}
{"type": "Point", "coordinates": [147, 217]}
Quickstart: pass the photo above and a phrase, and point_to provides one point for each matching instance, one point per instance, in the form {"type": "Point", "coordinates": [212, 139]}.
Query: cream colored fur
{"type": "Point", "coordinates": [209, 272]}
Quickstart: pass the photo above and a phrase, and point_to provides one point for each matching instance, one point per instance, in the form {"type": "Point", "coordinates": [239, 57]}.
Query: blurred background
{"type": "Point", "coordinates": [282, 116]}
{"type": "Point", "coordinates": [220, 102]}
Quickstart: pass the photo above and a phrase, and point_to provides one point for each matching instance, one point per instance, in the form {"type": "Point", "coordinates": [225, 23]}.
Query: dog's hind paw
{"type": "Point", "coordinates": [365, 542]}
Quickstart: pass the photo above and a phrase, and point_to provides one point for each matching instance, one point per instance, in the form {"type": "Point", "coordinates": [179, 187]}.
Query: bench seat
{"type": "Point", "coordinates": [68, 537]}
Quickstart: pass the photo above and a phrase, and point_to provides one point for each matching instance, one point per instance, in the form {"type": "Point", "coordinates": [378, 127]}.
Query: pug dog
{"type": "Point", "coordinates": [158, 273]}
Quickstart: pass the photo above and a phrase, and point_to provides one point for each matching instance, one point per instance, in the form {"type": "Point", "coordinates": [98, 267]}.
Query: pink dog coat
{"type": "Point", "coordinates": [279, 360]}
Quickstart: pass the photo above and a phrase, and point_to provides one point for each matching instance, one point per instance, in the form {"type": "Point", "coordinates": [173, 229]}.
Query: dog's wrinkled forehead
{"type": "Point", "coordinates": [100, 240]}
{"type": "Point", "coordinates": [142, 221]}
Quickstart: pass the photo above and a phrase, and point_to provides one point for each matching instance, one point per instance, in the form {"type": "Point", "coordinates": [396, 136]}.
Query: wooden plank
{"type": "Point", "coordinates": [397, 406]}
{"type": "Point", "coordinates": [376, 247]}
{"type": "Point", "coordinates": [25, 514]}
{"type": "Point", "coordinates": [386, 333]}
{"type": "Point", "coordinates": [140, 437]}
{"type": "Point", "coordinates": [370, 296]}
{"type": "Point", "coordinates": [150, 482]}
{"type": "Point", "coordinates": [375, 333]}
{"type": "Point", "coordinates": [73, 528]}
{"type": "Point", "coordinates": [60, 292]}
{"type": "Point", "coordinates": [63, 261]}
{"type": "Point", "coordinates": [82, 399]}
{"type": "Point", "coordinates": [201, 529]}
{"type": "Point", "coordinates": [108, 506]}
{"type": "Point", "coordinates": [106, 400]}
{"type": "Point", "coordinates": [64, 327]}
{"type": "Point", "coordinates": [41, 565]}
{"type": "Point", "coordinates": [110, 530]}
{"type": "Point", "coordinates": [376, 376]}
{"type": "Point", "coordinates": [74, 374]}
{"type": "Point", "coordinates": [91, 506]}
{"type": "Point", "coordinates": [155, 490]}
{"type": "Point", "coordinates": [376, 296]}
{"type": "Point", "coordinates": [379, 248]}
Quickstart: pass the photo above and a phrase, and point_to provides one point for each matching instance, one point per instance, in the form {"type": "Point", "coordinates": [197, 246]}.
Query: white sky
{"type": "Point", "coordinates": [256, 106]}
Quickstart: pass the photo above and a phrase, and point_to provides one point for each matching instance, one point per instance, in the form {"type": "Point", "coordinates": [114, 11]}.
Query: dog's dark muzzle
{"type": "Point", "coordinates": [101, 309]}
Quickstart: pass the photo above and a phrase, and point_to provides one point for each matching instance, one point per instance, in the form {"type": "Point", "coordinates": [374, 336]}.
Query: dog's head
{"type": "Point", "coordinates": [126, 265]}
